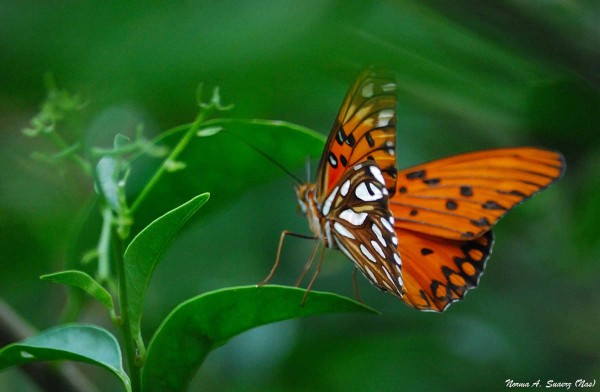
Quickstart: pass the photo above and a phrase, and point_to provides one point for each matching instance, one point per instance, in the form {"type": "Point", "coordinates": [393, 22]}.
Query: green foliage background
{"type": "Point", "coordinates": [471, 76]}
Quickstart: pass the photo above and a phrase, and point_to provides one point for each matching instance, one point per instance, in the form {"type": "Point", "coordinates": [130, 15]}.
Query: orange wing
{"type": "Point", "coordinates": [437, 271]}
{"type": "Point", "coordinates": [444, 211]}
{"type": "Point", "coordinates": [463, 196]}
{"type": "Point", "coordinates": [365, 128]}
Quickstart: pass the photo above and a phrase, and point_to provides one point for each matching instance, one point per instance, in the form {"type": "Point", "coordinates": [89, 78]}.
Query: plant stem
{"type": "Point", "coordinates": [171, 158]}
{"type": "Point", "coordinates": [60, 143]}
{"type": "Point", "coordinates": [104, 245]}
{"type": "Point", "coordinates": [130, 347]}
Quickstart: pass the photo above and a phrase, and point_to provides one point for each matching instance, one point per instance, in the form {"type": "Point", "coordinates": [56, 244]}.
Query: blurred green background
{"type": "Point", "coordinates": [471, 76]}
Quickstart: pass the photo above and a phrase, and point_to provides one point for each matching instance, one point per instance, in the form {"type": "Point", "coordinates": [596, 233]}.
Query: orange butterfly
{"type": "Point", "coordinates": [424, 233]}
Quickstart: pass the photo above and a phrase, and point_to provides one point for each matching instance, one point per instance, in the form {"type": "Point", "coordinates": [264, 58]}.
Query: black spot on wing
{"type": "Point", "coordinates": [483, 222]}
{"type": "Point", "coordinates": [343, 160]}
{"type": "Point", "coordinates": [513, 193]}
{"type": "Point", "coordinates": [432, 181]}
{"type": "Point", "coordinates": [492, 205]}
{"type": "Point", "coordinates": [340, 137]}
{"type": "Point", "coordinates": [351, 140]}
{"type": "Point", "coordinates": [466, 191]}
{"type": "Point", "coordinates": [451, 205]}
{"type": "Point", "coordinates": [426, 251]}
{"type": "Point", "coordinates": [416, 174]}
{"type": "Point", "coordinates": [370, 139]}
{"type": "Point", "coordinates": [391, 171]}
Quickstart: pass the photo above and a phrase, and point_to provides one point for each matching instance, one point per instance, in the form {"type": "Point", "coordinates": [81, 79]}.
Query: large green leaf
{"type": "Point", "coordinates": [75, 342]}
{"type": "Point", "coordinates": [203, 323]}
{"type": "Point", "coordinates": [145, 252]}
{"type": "Point", "coordinates": [225, 164]}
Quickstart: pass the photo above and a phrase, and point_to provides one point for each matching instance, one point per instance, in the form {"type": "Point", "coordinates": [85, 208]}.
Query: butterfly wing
{"type": "Point", "coordinates": [364, 129]}
{"type": "Point", "coordinates": [361, 225]}
{"type": "Point", "coordinates": [444, 211]}
{"type": "Point", "coordinates": [463, 196]}
{"type": "Point", "coordinates": [438, 271]}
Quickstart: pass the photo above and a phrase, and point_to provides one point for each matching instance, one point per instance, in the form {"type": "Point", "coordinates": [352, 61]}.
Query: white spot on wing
{"type": "Point", "coordinates": [371, 275]}
{"type": "Point", "coordinates": [378, 233]}
{"type": "Point", "coordinates": [388, 87]}
{"type": "Point", "coordinates": [387, 225]}
{"type": "Point", "coordinates": [342, 230]}
{"type": "Point", "coordinates": [367, 254]}
{"type": "Point", "coordinates": [384, 117]}
{"type": "Point", "coordinates": [327, 204]}
{"type": "Point", "coordinates": [377, 174]}
{"type": "Point", "coordinates": [377, 248]}
{"type": "Point", "coordinates": [328, 235]}
{"type": "Point", "coordinates": [367, 90]}
{"type": "Point", "coordinates": [355, 218]}
{"type": "Point", "coordinates": [362, 192]}
{"type": "Point", "coordinates": [395, 240]}
{"type": "Point", "coordinates": [397, 259]}
{"type": "Point", "coordinates": [345, 187]}
{"type": "Point", "coordinates": [387, 273]}
{"type": "Point", "coordinates": [332, 161]}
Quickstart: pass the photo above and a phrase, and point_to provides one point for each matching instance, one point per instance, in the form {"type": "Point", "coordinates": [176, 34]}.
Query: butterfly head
{"type": "Point", "coordinates": [305, 193]}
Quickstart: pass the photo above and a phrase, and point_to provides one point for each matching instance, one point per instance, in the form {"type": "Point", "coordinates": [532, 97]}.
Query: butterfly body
{"type": "Point", "coordinates": [423, 233]}
{"type": "Point", "coordinates": [356, 219]}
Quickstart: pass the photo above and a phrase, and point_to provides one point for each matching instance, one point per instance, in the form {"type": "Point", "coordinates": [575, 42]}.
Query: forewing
{"type": "Point", "coordinates": [365, 129]}
{"type": "Point", "coordinates": [463, 196]}
{"type": "Point", "coordinates": [361, 225]}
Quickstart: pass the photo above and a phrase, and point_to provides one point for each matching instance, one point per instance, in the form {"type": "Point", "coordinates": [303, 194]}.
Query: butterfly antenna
{"type": "Point", "coordinates": [268, 157]}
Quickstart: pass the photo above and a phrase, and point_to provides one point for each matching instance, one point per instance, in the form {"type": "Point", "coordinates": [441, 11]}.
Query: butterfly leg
{"type": "Point", "coordinates": [355, 285]}
{"type": "Point", "coordinates": [312, 280]}
{"type": "Point", "coordinates": [307, 265]}
{"type": "Point", "coordinates": [276, 264]}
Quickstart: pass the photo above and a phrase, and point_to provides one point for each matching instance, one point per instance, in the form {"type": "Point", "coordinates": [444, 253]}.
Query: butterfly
{"type": "Point", "coordinates": [424, 233]}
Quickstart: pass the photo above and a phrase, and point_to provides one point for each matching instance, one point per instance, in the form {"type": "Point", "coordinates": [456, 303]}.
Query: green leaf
{"type": "Point", "coordinates": [145, 252]}
{"type": "Point", "coordinates": [85, 282]}
{"type": "Point", "coordinates": [223, 163]}
{"type": "Point", "coordinates": [75, 342]}
{"type": "Point", "coordinates": [201, 324]}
